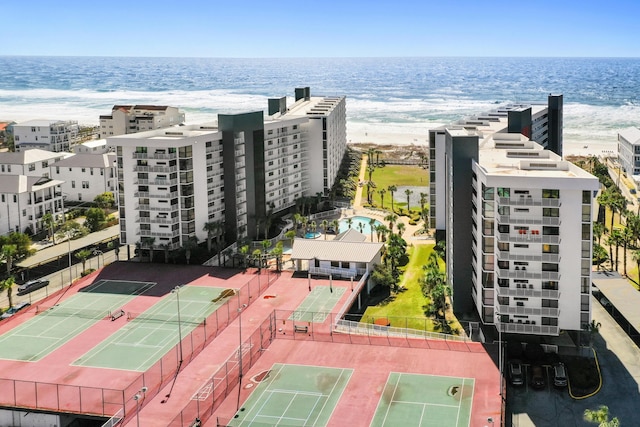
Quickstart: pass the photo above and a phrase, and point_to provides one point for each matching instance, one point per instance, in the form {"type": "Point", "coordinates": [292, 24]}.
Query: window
{"type": "Point", "coordinates": [73, 184]}
{"type": "Point", "coordinates": [552, 303]}
{"type": "Point", "coordinates": [586, 197]}
{"type": "Point", "coordinates": [550, 249]}
{"type": "Point", "coordinates": [550, 194]}
{"type": "Point", "coordinates": [85, 184]}
{"type": "Point", "coordinates": [546, 266]}
{"type": "Point", "coordinates": [552, 212]}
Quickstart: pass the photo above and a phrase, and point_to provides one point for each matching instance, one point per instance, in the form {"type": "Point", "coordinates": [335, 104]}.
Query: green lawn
{"type": "Point", "coordinates": [407, 304]}
{"type": "Point", "coordinates": [398, 175]}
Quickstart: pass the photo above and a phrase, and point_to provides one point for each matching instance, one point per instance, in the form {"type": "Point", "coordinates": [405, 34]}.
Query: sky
{"type": "Point", "coordinates": [326, 28]}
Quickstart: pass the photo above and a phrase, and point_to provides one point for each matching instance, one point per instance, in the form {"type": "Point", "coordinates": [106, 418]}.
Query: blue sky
{"type": "Point", "coordinates": [326, 28]}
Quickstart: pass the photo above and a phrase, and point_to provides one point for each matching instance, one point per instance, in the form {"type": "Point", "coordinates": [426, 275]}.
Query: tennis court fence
{"type": "Point", "coordinates": [105, 402]}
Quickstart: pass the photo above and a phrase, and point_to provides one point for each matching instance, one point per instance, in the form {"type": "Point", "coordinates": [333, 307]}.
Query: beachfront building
{"type": "Point", "coordinates": [511, 211]}
{"type": "Point", "coordinates": [539, 122]}
{"type": "Point", "coordinates": [127, 119]}
{"type": "Point", "coordinates": [25, 199]}
{"type": "Point", "coordinates": [51, 135]}
{"type": "Point", "coordinates": [85, 176]}
{"type": "Point", "coordinates": [95, 146]}
{"type": "Point", "coordinates": [32, 162]}
{"type": "Point", "coordinates": [240, 171]}
{"type": "Point", "coordinates": [629, 151]}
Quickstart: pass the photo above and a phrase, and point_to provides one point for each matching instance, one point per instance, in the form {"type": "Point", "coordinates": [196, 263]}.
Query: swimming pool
{"type": "Point", "coordinates": [312, 235]}
{"type": "Point", "coordinates": [355, 224]}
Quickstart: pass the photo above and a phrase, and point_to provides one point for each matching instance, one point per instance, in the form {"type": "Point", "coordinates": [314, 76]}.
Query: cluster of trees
{"type": "Point", "coordinates": [388, 273]}
{"type": "Point", "coordinates": [434, 286]}
{"type": "Point", "coordinates": [13, 247]}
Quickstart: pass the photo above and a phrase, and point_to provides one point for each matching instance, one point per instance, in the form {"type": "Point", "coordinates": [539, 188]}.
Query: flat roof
{"type": "Point", "coordinates": [624, 297]}
{"type": "Point", "coordinates": [631, 135]}
{"type": "Point", "coordinates": [335, 250]}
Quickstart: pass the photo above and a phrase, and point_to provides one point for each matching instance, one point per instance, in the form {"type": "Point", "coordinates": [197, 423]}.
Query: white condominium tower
{"type": "Point", "coordinates": [517, 223]}
{"type": "Point", "coordinates": [237, 171]}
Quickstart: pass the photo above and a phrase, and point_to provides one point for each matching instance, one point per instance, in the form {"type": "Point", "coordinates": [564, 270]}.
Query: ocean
{"type": "Point", "coordinates": [389, 100]}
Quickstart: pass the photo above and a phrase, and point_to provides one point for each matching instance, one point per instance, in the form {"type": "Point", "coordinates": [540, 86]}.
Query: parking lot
{"type": "Point", "coordinates": [619, 361]}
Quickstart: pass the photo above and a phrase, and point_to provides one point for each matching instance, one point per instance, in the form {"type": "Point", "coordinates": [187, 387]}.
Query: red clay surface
{"type": "Point", "coordinates": [372, 363]}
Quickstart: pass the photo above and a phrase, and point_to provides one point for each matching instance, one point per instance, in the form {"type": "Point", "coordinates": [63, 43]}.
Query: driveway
{"type": "Point", "coordinates": [619, 360]}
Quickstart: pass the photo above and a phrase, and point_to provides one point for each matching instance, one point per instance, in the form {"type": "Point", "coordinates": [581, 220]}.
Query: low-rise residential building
{"type": "Point", "coordinates": [95, 146]}
{"type": "Point", "coordinates": [32, 162]}
{"type": "Point", "coordinates": [25, 199]}
{"type": "Point", "coordinates": [51, 135]}
{"type": "Point", "coordinates": [126, 119]}
{"type": "Point", "coordinates": [84, 176]}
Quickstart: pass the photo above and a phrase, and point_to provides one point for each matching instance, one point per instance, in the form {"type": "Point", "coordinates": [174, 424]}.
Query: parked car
{"type": "Point", "coordinates": [537, 377]}
{"type": "Point", "coordinates": [32, 285]}
{"type": "Point", "coordinates": [13, 310]}
{"type": "Point", "coordinates": [559, 375]}
{"type": "Point", "coordinates": [515, 372]}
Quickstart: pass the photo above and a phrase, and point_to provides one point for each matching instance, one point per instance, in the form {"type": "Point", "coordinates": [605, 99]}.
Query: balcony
{"type": "Point", "coordinates": [528, 292]}
{"type": "Point", "coordinates": [521, 328]}
{"type": "Point", "coordinates": [528, 238]}
{"type": "Point", "coordinates": [159, 156]}
{"type": "Point", "coordinates": [545, 220]}
{"type": "Point", "coordinates": [529, 311]}
{"type": "Point", "coordinates": [509, 256]}
{"type": "Point", "coordinates": [165, 169]}
{"type": "Point", "coordinates": [528, 200]}
{"type": "Point", "coordinates": [149, 233]}
{"type": "Point", "coordinates": [504, 273]}
{"type": "Point", "coordinates": [157, 220]}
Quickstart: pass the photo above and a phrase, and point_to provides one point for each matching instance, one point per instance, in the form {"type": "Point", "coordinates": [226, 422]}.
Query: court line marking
{"type": "Point", "coordinates": [395, 388]}
{"type": "Point", "coordinates": [342, 371]}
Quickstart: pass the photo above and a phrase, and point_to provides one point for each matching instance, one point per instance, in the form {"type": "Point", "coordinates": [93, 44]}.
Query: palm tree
{"type": "Point", "coordinates": [401, 227]}
{"type": "Point", "coordinates": [211, 228]}
{"type": "Point", "coordinates": [266, 244]}
{"type": "Point", "coordinates": [601, 416]}
{"type": "Point", "coordinates": [392, 218]}
{"type": "Point", "coordinates": [635, 255]}
{"type": "Point", "coordinates": [8, 253]}
{"type": "Point", "coordinates": [335, 224]}
{"type": "Point", "coordinates": [291, 234]}
{"type": "Point", "coordinates": [349, 222]}
{"type": "Point", "coordinates": [82, 255]}
{"type": "Point", "coordinates": [598, 230]}
{"type": "Point", "coordinates": [188, 246]}
{"type": "Point", "coordinates": [382, 192]}
{"type": "Point", "coordinates": [361, 227]}
{"type": "Point", "coordinates": [49, 223]}
{"type": "Point", "coordinates": [593, 329]}
{"type": "Point", "coordinates": [148, 243]}
{"type": "Point", "coordinates": [408, 192]}
{"type": "Point", "coordinates": [626, 238]}
{"type": "Point", "coordinates": [423, 201]}
{"type": "Point", "coordinates": [324, 225]}
{"type": "Point", "coordinates": [7, 284]}
{"type": "Point", "coordinates": [244, 251]}
{"type": "Point", "coordinates": [166, 249]}
{"type": "Point", "coordinates": [392, 189]}
{"type": "Point", "coordinates": [297, 220]}
{"type": "Point", "coordinates": [372, 225]}
{"type": "Point", "coordinates": [257, 256]}
{"type": "Point", "coordinates": [615, 238]}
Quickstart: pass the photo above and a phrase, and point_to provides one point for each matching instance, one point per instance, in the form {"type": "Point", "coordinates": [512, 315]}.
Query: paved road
{"type": "Point", "coordinates": [61, 278]}
{"type": "Point", "coordinates": [619, 360]}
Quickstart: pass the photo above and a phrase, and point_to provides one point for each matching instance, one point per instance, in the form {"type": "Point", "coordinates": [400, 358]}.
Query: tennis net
{"type": "Point", "coordinates": [57, 310]}
{"type": "Point", "coordinates": [166, 318]}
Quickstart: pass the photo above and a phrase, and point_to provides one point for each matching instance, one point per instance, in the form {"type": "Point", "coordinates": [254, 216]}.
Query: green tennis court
{"type": "Point", "coordinates": [424, 400]}
{"type": "Point", "coordinates": [148, 336]}
{"type": "Point", "coordinates": [318, 304]}
{"type": "Point", "coordinates": [293, 395]}
{"type": "Point", "coordinates": [53, 326]}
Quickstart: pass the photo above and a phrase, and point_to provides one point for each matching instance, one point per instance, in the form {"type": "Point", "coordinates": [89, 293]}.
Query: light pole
{"type": "Point", "coordinates": [242, 307]}
{"type": "Point", "coordinates": [97, 253]}
{"type": "Point", "coordinates": [137, 397]}
{"type": "Point", "coordinates": [176, 291]}
{"type": "Point", "coordinates": [67, 232]}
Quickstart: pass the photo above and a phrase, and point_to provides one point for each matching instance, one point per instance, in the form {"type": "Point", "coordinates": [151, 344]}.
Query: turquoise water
{"type": "Point", "coordinates": [356, 220]}
{"type": "Point", "coordinates": [312, 235]}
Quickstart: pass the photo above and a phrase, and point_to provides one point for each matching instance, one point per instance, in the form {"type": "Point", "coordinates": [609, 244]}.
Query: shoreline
{"type": "Point", "coordinates": [362, 136]}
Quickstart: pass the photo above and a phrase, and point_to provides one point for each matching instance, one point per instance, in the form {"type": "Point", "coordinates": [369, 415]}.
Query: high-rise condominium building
{"type": "Point", "coordinates": [239, 171]}
{"type": "Point", "coordinates": [126, 119]}
{"type": "Point", "coordinates": [517, 222]}
{"type": "Point", "coordinates": [629, 151]}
